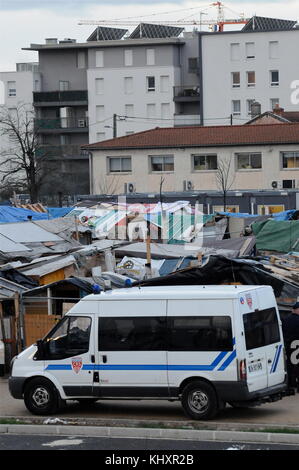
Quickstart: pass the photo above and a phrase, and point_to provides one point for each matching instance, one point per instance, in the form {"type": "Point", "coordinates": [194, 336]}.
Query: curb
{"type": "Point", "coordinates": [145, 433]}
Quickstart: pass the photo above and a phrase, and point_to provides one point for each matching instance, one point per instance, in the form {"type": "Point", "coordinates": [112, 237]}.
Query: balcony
{"type": "Point", "coordinates": [186, 93]}
{"type": "Point", "coordinates": [60, 98]}
{"type": "Point", "coordinates": [72, 152]}
{"type": "Point", "coordinates": [62, 125]}
{"type": "Point", "coordinates": [187, 120]}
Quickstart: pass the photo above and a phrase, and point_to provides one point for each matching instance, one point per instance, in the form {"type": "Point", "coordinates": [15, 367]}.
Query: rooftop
{"type": "Point", "coordinates": [209, 136]}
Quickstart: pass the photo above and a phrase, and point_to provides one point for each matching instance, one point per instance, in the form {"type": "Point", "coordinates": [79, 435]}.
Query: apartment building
{"type": "Point", "coordinates": [257, 157]}
{"type": "Point", "coordinates": [17, 88]}
{"type": "Point", "coordinates": [112, 85]}
{"type": "Point", "coordinates": [256, 64]}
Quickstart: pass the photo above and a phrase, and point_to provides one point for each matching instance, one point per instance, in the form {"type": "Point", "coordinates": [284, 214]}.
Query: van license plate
{"type": "Point", "coordinates": [255, 367]}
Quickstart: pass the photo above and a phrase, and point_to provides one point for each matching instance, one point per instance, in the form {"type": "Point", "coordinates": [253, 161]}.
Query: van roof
{"type": "Point", "coordinates": [173, 292]}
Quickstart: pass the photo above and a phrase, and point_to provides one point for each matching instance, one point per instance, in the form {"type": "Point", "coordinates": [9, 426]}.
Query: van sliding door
{"type": "Point", "coordinates": [132, 349]}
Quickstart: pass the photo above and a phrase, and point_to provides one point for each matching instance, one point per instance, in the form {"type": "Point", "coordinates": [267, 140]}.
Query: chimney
{"type": "Point", "coordinates": [278, 110]}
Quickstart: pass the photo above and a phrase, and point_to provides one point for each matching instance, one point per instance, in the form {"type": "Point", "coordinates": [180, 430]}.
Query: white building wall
{"type": "Point", "coordinates": [125, 90]}
{"type": "Point", "coordinates": [146, 181]}
{"type": "Point", "coordinates": [220, 59]}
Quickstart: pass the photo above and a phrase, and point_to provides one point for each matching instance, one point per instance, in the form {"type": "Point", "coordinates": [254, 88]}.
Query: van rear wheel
{"type": "Point", "coordinates": [41, 397]}
{"type": "Point", "coordinates": [199, 400]}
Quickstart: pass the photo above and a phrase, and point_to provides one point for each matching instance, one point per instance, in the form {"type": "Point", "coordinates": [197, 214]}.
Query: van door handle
{"type": "Point", "coordinates": [269, 361]}
{"type": "Point", "coordinates": [104, 358]}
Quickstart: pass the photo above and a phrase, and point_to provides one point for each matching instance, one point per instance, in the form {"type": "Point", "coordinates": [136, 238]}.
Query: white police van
{"type": "Point", "coordinates": [203, 345]}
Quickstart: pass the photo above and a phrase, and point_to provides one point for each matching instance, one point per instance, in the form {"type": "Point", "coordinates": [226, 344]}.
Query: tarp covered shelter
{"type": "Point", "coordinates": [273, 235]}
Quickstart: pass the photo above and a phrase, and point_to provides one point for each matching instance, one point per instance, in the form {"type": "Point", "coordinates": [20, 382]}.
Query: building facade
{"type": "Point", "coordinates": [242, 67]}
{"type": "Point", "coordinates": [264, 157]}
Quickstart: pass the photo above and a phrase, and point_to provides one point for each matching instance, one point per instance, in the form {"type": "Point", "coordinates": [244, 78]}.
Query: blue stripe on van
{"type": "Point", "coordinates": [206, 367]}
{"type": "Point", "coordinates": [227, 362]}
{"type": "Point", "coordinates": [277, 359]}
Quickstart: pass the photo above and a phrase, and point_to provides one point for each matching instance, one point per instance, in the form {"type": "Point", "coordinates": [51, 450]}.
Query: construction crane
{"type": "Point", "coordinates": [219, 22]}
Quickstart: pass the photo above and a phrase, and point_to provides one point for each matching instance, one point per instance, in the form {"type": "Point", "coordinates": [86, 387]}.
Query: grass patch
{"type": "Point", "coordinates": [11, 421]}
{"type": "Point", "coordinates": [276, 430]}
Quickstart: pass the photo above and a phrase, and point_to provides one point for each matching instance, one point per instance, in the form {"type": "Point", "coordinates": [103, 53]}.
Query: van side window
{"type": "Point", "coordinates": [69, 338]}
{"type": "Point", "coordinates": [261, 328]}
{"type": "Point", "coordinates": [201, 333]}
{"type": "Point", "coordinates": [132, 334]}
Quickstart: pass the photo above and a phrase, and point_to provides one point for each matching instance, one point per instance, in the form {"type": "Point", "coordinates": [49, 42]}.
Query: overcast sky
{"type": "Point", "coordinates": [23, 22]}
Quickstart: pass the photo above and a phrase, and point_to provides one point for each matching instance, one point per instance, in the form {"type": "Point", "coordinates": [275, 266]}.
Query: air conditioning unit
{"type": "Point", "coordinates": [81, 123]}
{"type": "Point", "coordinates": [276, 184]}
{"type": "Point", "coordinates": [130, 188]}
{"type": "Point", "coordinates": [187, 185]}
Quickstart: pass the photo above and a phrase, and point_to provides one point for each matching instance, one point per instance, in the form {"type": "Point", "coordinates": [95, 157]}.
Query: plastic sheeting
{"type": "Point", "coordinates": [15, 214]}
{"type": "Point", "coordinates": [273, 235]}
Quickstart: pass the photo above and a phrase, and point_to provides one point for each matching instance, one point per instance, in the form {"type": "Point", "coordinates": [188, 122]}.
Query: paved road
{"type": "Point", "coordinates": [283, 412]}
{"type": "Point", "coordinates": [33, 442]}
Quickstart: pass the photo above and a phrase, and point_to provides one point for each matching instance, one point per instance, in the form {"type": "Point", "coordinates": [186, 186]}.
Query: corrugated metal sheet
{"type": "Point", "coordinates": [49, 267]}
{"type": "Point", "coordinates": [7, 245]}
{"type": "Point", "coordinates": [27, 232]}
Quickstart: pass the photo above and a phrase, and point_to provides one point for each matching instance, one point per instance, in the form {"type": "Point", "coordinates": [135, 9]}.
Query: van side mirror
{"type": "Point", "coordinates": [40, 353]}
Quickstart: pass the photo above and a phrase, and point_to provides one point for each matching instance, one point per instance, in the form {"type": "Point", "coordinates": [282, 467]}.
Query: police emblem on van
{"type": "Point", "coordinates": [77, 364]}
{"type": "Point", "coordinates": [249, 300]}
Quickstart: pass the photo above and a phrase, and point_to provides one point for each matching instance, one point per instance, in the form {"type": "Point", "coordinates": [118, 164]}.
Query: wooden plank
{"type": "Point", "coordinates": [38, 325]}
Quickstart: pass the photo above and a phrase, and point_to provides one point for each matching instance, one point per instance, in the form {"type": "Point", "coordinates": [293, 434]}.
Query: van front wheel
{"type": "Point", "coordinates": [199, 400]}
{"type": "Point", "coordinates": [41, 397]}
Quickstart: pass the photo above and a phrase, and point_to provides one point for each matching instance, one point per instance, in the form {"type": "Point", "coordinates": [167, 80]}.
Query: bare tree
{"type": "Point", "coordinates": [224, 177]}
{"type": "Point", "coordinates": [23, 160]}
{"type": "Point", "coordinates": [108, 185]}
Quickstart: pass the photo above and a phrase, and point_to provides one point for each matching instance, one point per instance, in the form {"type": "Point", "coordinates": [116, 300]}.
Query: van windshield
{"type": "Point", "coordinates": [261, 328]}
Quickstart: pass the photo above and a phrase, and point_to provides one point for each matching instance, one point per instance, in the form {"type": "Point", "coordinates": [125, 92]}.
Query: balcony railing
{"type": "Point", "coordinates": [186, 93]}
{"type": "Point", "coordinates": [62, 123]}
{"type": "Point", "coordinates": [59, 96]}
{"type": "Point", "coordinates": [61, 151]}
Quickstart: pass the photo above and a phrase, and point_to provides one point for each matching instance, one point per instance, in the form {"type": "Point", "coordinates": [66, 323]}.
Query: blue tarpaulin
{"type": "Point", "coordinates": [17, 214]}
{"type": "Point", "coordinates": [238, 215]}
{"type": "Point", "coordinates": [285, 215]}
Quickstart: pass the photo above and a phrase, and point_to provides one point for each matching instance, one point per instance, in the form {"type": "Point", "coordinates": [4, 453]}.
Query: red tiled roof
{"type": "Point", "coordinates": [210, 136]}
{"type": "Point", "coordinates": [292, 116]}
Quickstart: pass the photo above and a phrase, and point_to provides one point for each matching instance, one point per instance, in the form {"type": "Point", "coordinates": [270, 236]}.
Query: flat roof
{"type": "Point", "coordinates": [172, 292]}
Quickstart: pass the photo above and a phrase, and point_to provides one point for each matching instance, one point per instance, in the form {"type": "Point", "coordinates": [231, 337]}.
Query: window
{"type": "Point", "coordinates": [250, 50]}
{"type": "Point", "coordinates": [164, 83]}
{"type": "Point", "coordinates": [249, 104]}
{"type": "Point", "coordinates": [204, 162]}
{"type": "Point", "coordinates": [273, 49]}
{"type": "Point", "coordinates": [232, 209]}
{"type": "Point", "coordinates": [99, 58]}
{"type": "Point", "coordinates": [274, 103]}
{"type": "Point", "coordinates": [249, 161]}
{"type": "Point", "coordinates": [120, 164]}
{"type": "Point", "coordinates": [101, 136]}
{"type": "Point", "coordinates": [150, 56]}
{"type": "Point", "coordinates": [290, 160]}
{"type": "Point", "coordinates": [99, 85]}
{"type": "Point", "coordinates": [69, 338]}
{"type": "Point", "coordinates": [132, 334]}
{"type": "Point", "coordinates": [161, 163]}
{"type": "Point", "coordinates": [129, 110]}
{"type": "Point", "coordinates": [261, 328]}
{"type": "Point", "coordinates": [268, 210]}
{"type": "Point", "coordinates": [151, 110]}
{"type": "Point", "coordinates": [100, 113]}
{"type": "Point", "coordinates": [128, 57]}
{"type": "Point", "coordinates": [236, 81]}
{"type": "Point", "coordinates": [200, 333]}
{"type": "Point", "coordinates": [81, 60]}
{"type": "Point", "coordinates": [235, 51]}
{"type": "Point", "coordinates": [274, 77]}
{"type": "Point", "coordinates": [128, 85]}
{"type": "Point", "coordinates": [250, 79]}
{"type": "Point", "coordinates": [12, 88]}
{"type": "Point", "coordinates": [150, 83]}
{"type": "Point", "coordinates": [193, 66]}
{"type": "Point", "coordinates": [236, 107]}
{"type": "Point", "coordinates": [165, 110]}
{"type": "Point", "coordinates": [64, 85]}
{"type": "Point", "coordinates": [36, 85]}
